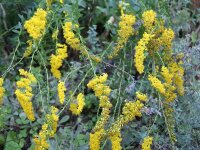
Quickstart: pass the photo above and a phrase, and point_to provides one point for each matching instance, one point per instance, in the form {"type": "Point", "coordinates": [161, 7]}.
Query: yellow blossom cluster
{"type": "Point", "coordinates": [24, 93]}
{"type": "Point", "coordinates": [36, 25]}
{"type": "Point", "coordinates": [167, 75]}
{"type": "Point", "coordinates": [125, 31]}
{"type": "Point", "coordinates": [70, 37]}
{"type": "Point", "coordinates": [2, 90]}
{"type": "Point", "coordinates": [167, 37]}
{"type": "Point", "coordinates": [57, 60]}
{"type": "Point", "coordinates": [41, 141]}
{"type": "Point", "coordinates": [157, 84]}
{"type": "Point", "coordinates": [48, 130]}
{"type": "Point", "coordinates": [95, 139]}
{"type": "Point", "coordinates": [77, 107]}
{"type": "Point", "coordinates": [146, 145]}
{"type": "Point", "coordinates": [61, 91]}
{"type": "Point", "coordinates": [139, 52]}
{"type": "Point", "coordinates": [141, 96]}
{"type": "Point", "coordinates": [29, 49]}
{"type": "Point", "coordinates": [116, 141]}
{"type": "Point", "coordinates": [149, 18]}
{"type": "Point", "coordinates": [102, 91]}
{"type": "Point", "coordinates": [129, 112]}
{"type": "Point", "coordinates": [75, 43]}
{"type": "Point", "coordinates": [170, 94]}
{"type": "Point", "coordinates": [178, 74]}
{"type": "Point", "coordinates": [52, 121]}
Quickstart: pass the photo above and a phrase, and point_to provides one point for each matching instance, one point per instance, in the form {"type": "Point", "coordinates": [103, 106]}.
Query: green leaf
{"type": "Point", "coordinates": [64, 119]}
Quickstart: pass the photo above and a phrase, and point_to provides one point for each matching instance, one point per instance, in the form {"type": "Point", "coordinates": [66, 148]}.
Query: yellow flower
{"type": "Point", "coordinates": [170, 95]}
{"type": "Point", "coordinates": [102, 91]}
{"type": "Point", "coordinates": [95, 139]}
{"type": "Point", "coordinates": [139, 52]}
{"type": "Point", "coordinates": [124, 32]}
{"type": "Point", "coordinates": [167, 75]}
{"type": "Point", "coordinates": [178, 76]}
{"type": "Point", "coordinates": [2, 90]}
{"type": "Point", "coordinates": [167, 37]}
{"type": "Point", "coordinates": [28, 50]}
{"type": "Point", "coordinates": [116, 141]}
{"type": "Point", "coordinates": [149, 17]}
{"type": "Point", "coordinates": [70, 36]}
{"type": "Point", "coordinates": [56, 60]}
{"type": "Point", "coordinates": [129, 112]}
{"type": "Point", "coordinates": [146, 145]}
{"type": "Point", "coordinates": [24, 93]}
{"type": "Point", "coordinates": [61, 91]}
{"type": "Point", "coordinates": [52, 121]}
{"type": "Point", "coordinates": [156, 83]}
{"type": "Point", "coordinates": [76, 109]}
{"type": "Point", "coordinates": [36, 25]}
{"type": "Point", "coordinates": [75, 43]}
{"type": "Point", "coordinates": [141, 96]}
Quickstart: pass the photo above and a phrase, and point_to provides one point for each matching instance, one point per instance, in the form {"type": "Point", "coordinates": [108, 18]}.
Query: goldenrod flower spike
{"type": "Point", "coordinates": [141, 96]}
{"type": "Point", "coordinates": [149, 18]}
{"type": "Point", "coordinates": [146, 145]}
{"type": "Point", "coordinates": [2, 90]}
{"type": "Point", "coordinates": [61, 91]}
{"type": "Point", "coordinates": [129, 112]}
{"type": "Point", "coordinates": [157, 84]}
{"type": "Point", "coordinates": [139, 52]}
{"type": "Point", "coordinates": [102, 91]}
{"type": "Point", "coordinates": [24, 93]}
{"type": "Point", "coordinates": [56, 60]}
{"type": "Point", "coordinates": [48, 130]}
{"type": "Point", "coordinates": [77, 107]}
{"type": "Point", "coordinates": [124, 33]}
{"type": "Point", "coordinates": [29, 49]}
{"type": "Point", "coordinates": [35, 26]}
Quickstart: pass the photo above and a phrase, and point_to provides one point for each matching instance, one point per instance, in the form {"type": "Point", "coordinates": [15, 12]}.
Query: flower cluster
{"type": "Point", "coordinates": [48, 130]}
{"type": "Point", "coordinates": [166, 74]}
{"type": "Point", "coordinates": [41, 141]}
{"type": "Point", "coordinates": [129, 112]}
{"type": "Point", "coordinates": [146, 145]}
{"type": "Point", "coordinates": [141, 96]}
{"type": "Point", "coordinates": [29, 49]}
{"type": "Point", "coordinates": [75, 43]}
{"type": "Point", "coordinates": [61, 92]}
{"type": "Point", "coordinates": [95, 139]}
{"type": "Point", "coordinates": [57, 59]}
{"type": "Point", "coordinates": [116, 140]}
{"type": "Point", "coordinates": [36, 25]}
{"type": "Point", "coordinates": [149, 17]}
{"type": "Point", "coordinates": [77, 107]}
{"type": "Point", "coordinates": [167, 37]}
{"type": "Point", "coordinates": [157, 84]}
{"type": "Point", "coordinates": [2, 90]}
{"type": "Point", "coordinates": [178, 74]}
{"type": "Point", "coordinates": [139, 52]}
{"type": "Point", "coordinates": [70, 37]}
{"type": "Point", "coordinates": [24, 93]}
{"type": "Point", "coordinates": [125, 31]}
{"type": "Point", "coordinates": [102, 91]}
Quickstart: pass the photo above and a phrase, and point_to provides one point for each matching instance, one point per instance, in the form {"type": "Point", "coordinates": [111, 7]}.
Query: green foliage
{"type": "Point", "coordinates": [98, 21]}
